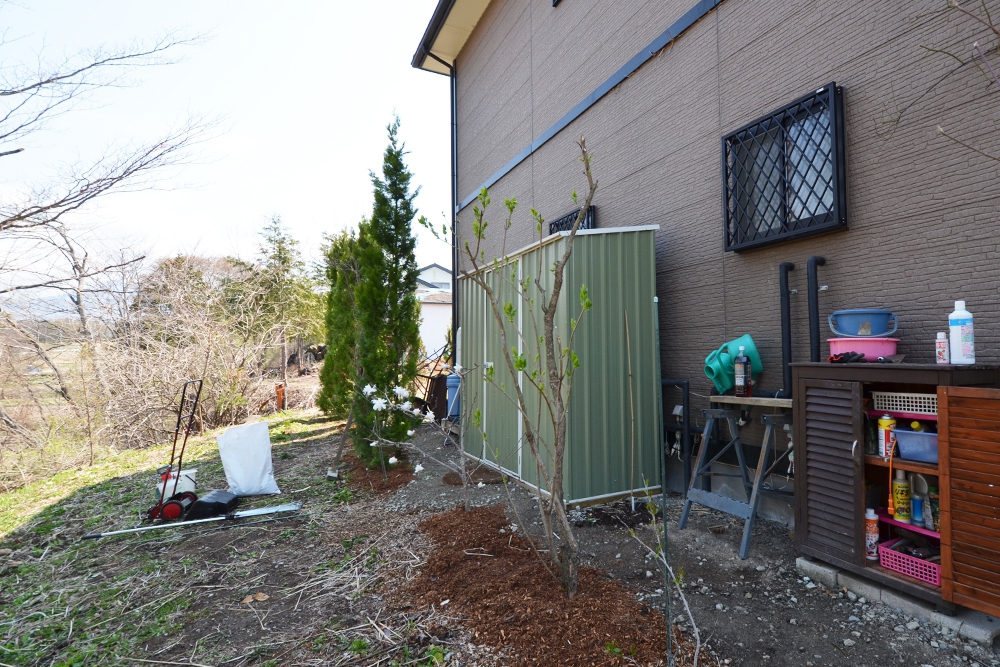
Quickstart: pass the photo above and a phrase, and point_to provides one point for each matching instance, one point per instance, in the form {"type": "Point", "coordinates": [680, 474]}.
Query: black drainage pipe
{"type": "Point", "coordinates": [786, 336]}
{"type": "Point", "coordinates": [811, 265]}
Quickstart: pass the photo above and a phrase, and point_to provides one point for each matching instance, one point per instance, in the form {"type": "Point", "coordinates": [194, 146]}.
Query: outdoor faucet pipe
{"type": "Point", "coordinates": [453, 77]}
{"type": "Point", "coordinates": [811, 265]}
{"type": "Point", "coordinates": [685, 429]}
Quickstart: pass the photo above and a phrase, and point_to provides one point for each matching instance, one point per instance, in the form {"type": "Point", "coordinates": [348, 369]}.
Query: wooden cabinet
{"type": "Point", "coordinates": [834, 477]}
{"type": "Point", "coordinates": [969, 465]}
{"type": "Point", "coordinates": [828, 470]}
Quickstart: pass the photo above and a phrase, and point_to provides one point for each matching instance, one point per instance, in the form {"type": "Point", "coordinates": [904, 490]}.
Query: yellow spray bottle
{"type": "Point", "coordinates": [901, 497]}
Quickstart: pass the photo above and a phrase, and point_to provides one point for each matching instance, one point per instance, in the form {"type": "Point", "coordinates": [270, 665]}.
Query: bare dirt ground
{"type": "Point", "coordinates": [348, 581]}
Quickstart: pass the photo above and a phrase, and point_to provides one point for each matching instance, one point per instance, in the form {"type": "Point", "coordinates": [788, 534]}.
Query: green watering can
{"type": "Point", "coordinates": [719, 364]}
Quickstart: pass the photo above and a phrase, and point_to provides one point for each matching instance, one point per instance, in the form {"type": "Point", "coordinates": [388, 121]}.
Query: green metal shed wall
{"type": "Point", "coordinates": [618, 268]}
{"type": "Point", "coordinates": [619, 272]}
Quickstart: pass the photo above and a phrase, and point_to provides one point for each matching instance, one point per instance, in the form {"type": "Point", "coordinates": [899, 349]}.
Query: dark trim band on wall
{"type": "Point", "coordinates": [680, 26]}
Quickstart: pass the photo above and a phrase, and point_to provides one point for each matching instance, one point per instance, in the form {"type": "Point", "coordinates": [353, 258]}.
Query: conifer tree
{"type": "Point", "coordinates": [373, 316]}
{"type": "Point", "coordinates": [388, 310]}
{"type": "Point", "coordinates": [340, 366]}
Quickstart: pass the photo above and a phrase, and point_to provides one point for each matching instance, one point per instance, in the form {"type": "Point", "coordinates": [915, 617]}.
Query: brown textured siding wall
{"type": "Point", "coordinates": [923, 211]}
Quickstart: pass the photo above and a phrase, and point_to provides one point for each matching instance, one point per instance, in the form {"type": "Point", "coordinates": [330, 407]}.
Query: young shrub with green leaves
{"type": "Point", "coordinates": [548, 364]}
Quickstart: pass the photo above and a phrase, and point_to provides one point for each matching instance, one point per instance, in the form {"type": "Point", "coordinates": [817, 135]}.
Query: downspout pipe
{"type": "Point", "coordinates": [786, 335]}
{"type": "Point", "coordinates": [811, 265]}
{"type": "Point", "coordinates": [453, 79]}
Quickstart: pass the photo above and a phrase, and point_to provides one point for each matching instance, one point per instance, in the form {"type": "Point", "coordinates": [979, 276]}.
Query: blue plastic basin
{"type": "Point", "coordinates": [864, 323]}
{"type": "Point", "coordinates": [917, 445]}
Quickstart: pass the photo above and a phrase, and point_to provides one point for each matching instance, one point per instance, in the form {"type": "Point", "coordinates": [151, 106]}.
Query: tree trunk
{"type": "Point", "coordinates": [284, 358]}
{"type": "Point", "coordinates": [343, 440]}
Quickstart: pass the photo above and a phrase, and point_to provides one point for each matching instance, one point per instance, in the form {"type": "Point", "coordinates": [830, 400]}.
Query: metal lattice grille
{"type": "Point", "coordinates": [565, 223]}
{"type": "Point", "coordinates": [784, 173]}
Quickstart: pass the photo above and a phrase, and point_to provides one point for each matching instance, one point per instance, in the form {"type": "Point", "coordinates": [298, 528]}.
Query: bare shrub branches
{"type": "Point", "coordinates": [127, 169]}
{"type": "Point", "coordinates": [33, 94]}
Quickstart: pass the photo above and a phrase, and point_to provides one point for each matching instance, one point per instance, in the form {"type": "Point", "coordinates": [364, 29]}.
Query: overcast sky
{"type": "Point", "coordinates": [304, 91]}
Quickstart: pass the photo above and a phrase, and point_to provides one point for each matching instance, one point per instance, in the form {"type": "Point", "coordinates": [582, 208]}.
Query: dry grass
{"type": "Point", "coordinates": [308, 589]}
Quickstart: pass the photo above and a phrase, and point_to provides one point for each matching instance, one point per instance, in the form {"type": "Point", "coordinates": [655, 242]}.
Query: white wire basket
{"type": "Point", "coordinates": [918, 404]}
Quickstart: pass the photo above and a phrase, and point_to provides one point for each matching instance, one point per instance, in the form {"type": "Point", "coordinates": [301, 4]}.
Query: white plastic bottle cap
{"type": "Point", "coordinates": [960, 305]}
{"type": "Point", "coordinates": [942, 335]}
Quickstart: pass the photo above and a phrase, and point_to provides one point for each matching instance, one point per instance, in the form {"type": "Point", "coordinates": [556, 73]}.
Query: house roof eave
{"type": "Point", "coordinates": [449, 28]}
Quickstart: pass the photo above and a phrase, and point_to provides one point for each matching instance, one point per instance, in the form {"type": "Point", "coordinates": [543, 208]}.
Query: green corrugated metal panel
{"type": "Point", "coordinates": [536, 264]}
{"type": "Point", "coordinates": [619, 272]}
{"type": "Point", "coordinates": [500, 419]}
{"type": "Point", "coordinates": [471, 353]}
{"type": "Point", "coordinates": [618, 268]}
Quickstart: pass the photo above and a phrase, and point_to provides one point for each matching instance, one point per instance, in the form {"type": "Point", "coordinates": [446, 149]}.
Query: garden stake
{"type": "Point", "coordinates": [631, 405]}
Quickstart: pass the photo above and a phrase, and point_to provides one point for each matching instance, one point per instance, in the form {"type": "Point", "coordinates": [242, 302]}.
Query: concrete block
{"type": "Point", "coordinates": [908, 605]}
{"type": "Point", "coordinates": [821, 573]}
{"type": "Point", "coordinates": [953, 623]}
{"type": "Point", "coordinates": [773, 508]}
{"type": "Point", "coordinates": [863, 588]}
{"type": "Point", "coordinates": [979, 627]}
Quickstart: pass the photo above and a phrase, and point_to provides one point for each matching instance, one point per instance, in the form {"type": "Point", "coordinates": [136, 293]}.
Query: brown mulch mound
{"type": "Point", "coordinates": [508, 600]}
{"type": "Point", "coordinates": [370, 479]}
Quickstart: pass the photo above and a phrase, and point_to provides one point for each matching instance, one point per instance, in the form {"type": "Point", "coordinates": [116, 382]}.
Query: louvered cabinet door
{"type": "Point", "coordinates": [829, 483]}
{"type": "Point", "coordinates": [969, 467]}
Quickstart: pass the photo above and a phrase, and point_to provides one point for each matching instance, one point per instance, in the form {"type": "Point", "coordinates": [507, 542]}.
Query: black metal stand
{"type": "Point", "coordinates": [753, 486]}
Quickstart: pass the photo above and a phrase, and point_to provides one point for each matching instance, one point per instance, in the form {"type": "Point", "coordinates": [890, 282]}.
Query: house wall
{"type": "Point", "coordinates": [923, 210]}
{"type": "Point", "coordinates": [436, 275]}
{"type": "Point", "coordinates": [435, 318]}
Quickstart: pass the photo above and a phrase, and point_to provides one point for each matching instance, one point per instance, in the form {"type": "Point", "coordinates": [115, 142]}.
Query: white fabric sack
{"type": "Point", "coordinates": [246, 457]}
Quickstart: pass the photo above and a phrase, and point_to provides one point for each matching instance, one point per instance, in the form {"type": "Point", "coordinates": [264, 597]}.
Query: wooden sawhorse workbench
{"type": "Point", "coordinates": [754, 485]}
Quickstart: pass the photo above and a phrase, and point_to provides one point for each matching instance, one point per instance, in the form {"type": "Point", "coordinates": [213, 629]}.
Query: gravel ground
{"type": "Point", "coordinates": [753, 612]}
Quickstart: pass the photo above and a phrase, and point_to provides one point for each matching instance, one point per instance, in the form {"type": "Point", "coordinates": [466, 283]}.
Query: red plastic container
{"type": "Point", "coordinates": [872, 348]}
{"type": "Point", "coordinates": [921, 570]}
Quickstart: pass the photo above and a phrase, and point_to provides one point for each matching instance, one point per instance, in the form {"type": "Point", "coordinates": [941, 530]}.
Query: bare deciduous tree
{"type": "Point", "coordinates": [46, 264]}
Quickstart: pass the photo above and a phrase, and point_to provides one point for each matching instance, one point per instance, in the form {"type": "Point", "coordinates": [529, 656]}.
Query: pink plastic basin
{"type": "Point", "coordinates": [872, 348]}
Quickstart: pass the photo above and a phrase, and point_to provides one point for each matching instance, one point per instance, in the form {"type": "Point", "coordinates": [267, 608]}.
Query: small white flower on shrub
{"type": "Point", "coordinates": [393, 460]}
{"type": "Point", "coordinates": [458, 368]}
{"type": "Point", "coordinates": [406, 405]}
{"type": "Point", "coordinates": [410, 433]}
{"type": "Point", "coordinates": [401, 392]}
{"type": "Point", "coordinates": [418, 468]}
{"type": "Point", "coordinates": [379, 404]}
{"type": "Point", "coordinates": [373, 444]}
{"type": "Point", "coordinates": [369, 390]}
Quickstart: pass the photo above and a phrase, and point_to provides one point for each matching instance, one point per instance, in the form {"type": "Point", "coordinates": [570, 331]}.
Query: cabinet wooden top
{"type": "Point", "coordinates": [987, 375]}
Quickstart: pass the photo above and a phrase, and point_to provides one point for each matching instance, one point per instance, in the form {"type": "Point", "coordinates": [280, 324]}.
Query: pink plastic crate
{"type": "Point", "coordinates": [904, 564]}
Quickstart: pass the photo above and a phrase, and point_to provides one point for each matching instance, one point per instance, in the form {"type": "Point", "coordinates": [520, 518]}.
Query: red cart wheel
{"type": "Point", "coordinates": [189, 495]}
{"type": "Point", "coordinates": [172, 509]}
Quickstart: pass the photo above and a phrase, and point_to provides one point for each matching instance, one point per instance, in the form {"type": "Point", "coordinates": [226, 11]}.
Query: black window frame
{"type": "Point", "coordinates": [741, 231]}
{"type": "Point", "coordinates": [564, 223]}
